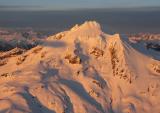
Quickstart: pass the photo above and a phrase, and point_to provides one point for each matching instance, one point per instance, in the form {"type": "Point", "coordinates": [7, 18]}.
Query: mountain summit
{"type": "Point", "coordinates": [82, 70]}
{"type": "Point", "coordinates": [89, 28]}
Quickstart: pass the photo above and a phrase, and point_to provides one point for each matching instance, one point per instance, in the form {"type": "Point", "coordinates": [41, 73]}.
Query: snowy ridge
{"type": "Point", "coordinates": [82, 70]}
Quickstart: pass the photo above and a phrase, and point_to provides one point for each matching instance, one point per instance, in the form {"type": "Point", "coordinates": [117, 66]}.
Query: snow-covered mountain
{"type": "Point", "coordinates": [82, 70]}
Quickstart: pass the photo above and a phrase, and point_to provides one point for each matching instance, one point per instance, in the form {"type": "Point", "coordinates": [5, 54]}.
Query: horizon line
{"type": "Point", "coordinates": [40, 8]}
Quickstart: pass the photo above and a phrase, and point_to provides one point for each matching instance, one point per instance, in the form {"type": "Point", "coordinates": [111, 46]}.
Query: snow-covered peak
{"type": "Point", "coordinates": [87, 29]}
{"type": "Point", "coordinates": [82, 70]}
{"type": "Point", "coordinates": [88, 33]}
{"type": "Point", "coordinates": [92, 25]}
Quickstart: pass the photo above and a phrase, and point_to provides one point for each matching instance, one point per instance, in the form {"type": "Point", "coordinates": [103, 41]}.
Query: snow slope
{"type": "Point", "coordinates": [82, 70]}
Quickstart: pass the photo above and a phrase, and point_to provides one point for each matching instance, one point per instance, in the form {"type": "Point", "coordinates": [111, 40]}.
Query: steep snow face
{"type": "Point", "coordinates": [119, 62]}
{"type": "Point", "coordinates": [82, 70]}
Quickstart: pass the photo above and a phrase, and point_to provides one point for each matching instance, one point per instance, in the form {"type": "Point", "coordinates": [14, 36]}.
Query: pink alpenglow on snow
{"type": "Point", "coordinates": [82, 70]}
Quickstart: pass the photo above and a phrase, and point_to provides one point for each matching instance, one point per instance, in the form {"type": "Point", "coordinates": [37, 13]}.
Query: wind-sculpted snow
{"type": "Point", "coordinates": [82, 70]}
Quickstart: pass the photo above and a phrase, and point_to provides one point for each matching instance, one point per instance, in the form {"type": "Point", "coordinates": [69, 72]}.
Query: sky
{"type": "Point", "coordinates": [75, 4]}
